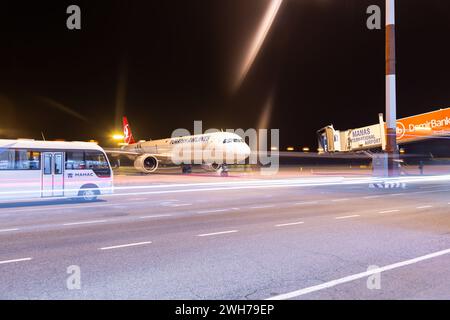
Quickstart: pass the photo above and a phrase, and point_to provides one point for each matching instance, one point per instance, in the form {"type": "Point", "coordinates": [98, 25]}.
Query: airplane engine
{"type": "Point", "coordinates": [146, 163]}
{"type": "Point", "coordinates": [212, 167]}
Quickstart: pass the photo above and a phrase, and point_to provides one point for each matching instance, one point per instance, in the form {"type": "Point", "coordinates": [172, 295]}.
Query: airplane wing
{"type": "Point", "coordinates": [162, 157]}
{"type": "Point", "coordinates": [118, 152]}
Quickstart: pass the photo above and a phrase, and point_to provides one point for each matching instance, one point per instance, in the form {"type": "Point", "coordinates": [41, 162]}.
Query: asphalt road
{"type": "Point", "coordinates": [241, 237]}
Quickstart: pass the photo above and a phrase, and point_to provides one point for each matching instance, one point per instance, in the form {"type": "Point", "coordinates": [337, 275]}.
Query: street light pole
{"type": "Point", "coordinates": [391, 97]}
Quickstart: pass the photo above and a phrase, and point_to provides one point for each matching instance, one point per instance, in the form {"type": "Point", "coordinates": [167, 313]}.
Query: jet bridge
{"type": "Point", "coordinates": [422, 127]}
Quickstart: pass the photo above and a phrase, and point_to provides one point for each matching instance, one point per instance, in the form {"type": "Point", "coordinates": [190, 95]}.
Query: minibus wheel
{"type": "Point", "coordinates": [88, 193]}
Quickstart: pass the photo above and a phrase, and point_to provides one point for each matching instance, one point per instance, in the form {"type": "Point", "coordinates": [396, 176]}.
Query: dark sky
{"type": "Point", "coordinates": [168, 63]}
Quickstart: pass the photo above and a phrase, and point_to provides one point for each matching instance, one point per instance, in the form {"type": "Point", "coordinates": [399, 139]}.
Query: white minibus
{"type": "Point", "coordinates": [46, 169]}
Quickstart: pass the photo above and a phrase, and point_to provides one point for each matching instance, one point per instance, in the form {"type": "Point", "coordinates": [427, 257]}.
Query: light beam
{"type": "Point", "coordinates": [258, 40]}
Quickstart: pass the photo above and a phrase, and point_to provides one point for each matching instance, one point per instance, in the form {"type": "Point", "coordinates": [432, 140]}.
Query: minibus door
{"type": "Point", "coordinates": [53, 174]}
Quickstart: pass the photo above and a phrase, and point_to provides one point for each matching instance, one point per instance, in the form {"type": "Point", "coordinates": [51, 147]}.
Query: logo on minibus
{"type": "Point", "coordinates": [84, 174]}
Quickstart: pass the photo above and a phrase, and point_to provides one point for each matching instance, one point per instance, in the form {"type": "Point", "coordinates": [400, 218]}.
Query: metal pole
{"type": "Point", "coordinates": [391, 99]}
{"type": "Point", "coordinates": [382, 131]}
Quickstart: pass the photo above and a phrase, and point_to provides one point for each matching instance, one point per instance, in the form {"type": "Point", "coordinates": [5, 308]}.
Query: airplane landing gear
{"type": "Point", "coordinates": [223, 170]}
{"type": "Point", "coordinates": [186, 169]}
{"type": "Point", "coordinates": [115, 163]}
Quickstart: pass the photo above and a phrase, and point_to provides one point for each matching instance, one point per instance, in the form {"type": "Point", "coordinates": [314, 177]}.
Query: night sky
{"type": "Point", "coordinates": [168, 63]}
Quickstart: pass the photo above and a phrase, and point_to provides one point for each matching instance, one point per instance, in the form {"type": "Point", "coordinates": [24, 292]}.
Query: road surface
{"type": "Point", "coordinates": [241, 237]}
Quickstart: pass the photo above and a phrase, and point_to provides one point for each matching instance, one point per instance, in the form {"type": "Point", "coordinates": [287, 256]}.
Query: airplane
{"type": "Point", "coordinates": [217, 151]}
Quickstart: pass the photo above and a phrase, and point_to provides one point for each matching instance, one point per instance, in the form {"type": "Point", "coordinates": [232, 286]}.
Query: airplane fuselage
{"type": "Point", "coordinates": [205, 149]}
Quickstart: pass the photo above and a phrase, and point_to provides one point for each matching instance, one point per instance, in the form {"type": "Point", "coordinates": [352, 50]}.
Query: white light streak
{"type": "Point", "coordinates": [258, 39]}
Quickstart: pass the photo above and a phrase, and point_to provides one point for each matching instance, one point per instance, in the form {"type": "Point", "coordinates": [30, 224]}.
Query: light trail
{"type": "Point", "coordinates": [61, 107]}
{"type": "Point", "coordinates": [247, 184]}
{"type": "Point", "coordinates": [258, 40]}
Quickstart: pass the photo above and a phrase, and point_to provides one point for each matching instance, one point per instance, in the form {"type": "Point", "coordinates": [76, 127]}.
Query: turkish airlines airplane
{"type": "Point", "coordinates": [213, 151]}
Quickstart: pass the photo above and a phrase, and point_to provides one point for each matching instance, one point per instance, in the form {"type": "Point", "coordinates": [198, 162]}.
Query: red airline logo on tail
{"type": "Point", "coordinates": [128, 136]}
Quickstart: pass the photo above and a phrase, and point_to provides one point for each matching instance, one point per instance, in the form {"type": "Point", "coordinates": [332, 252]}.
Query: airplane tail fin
{"type": "Point", "coordinates": [128, 135]}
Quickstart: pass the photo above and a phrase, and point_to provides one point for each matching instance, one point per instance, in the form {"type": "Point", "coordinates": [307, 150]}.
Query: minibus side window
{"type": "Point", "coordinates": [34, 160]}
{"type": "Point", "coordinates": [7, 159]}
{"type": "Point", "coordinates": [47, 163]}
{"type": "Point", "coordinates": [11, 159]}
{"type": "Point", "coordinates": [96, 161]}
{"type": "Point", "coordinates": [75, 160]}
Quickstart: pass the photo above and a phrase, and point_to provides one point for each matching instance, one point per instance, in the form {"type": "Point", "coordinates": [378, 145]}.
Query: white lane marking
{"type": "Point", "coordinates": [126, 245]}
{"type": "Point", "coordinates": [9, 230]}
{"type": "Point", "coordinates": [348, 217]}
{"type": "Point", "coordinates": [155, 216]}
{"type": "Point", "coordinates": [389, 211]}
{"type": "Point", "coordinates": [83, 222]}
{"type": "Point", "coordinates": [397, 194]}
{"type": "Point", "coordinates": [263, 206]}
{"type": "Point", "coordinates": [357, 276]}
{"type": "Point", "coordinates": [289, 224]}
{"type": "Point", "coordinates": [339, 200]}
{"type": "Point", "coordinates": [15, 260]}
{"type": "Point", "coordinates": [179, 205]}
{"type": "Point", "coordinates": [213, 211]}
{"type": "Point", "coordinates": [216, 233]}
{"type": "Point", "coordinates": [305, 203]}
{"type": "Point", "coordinates": [218, 210]}
{"type": "Point", "coordinates": [372, 197]}
{"type": "Point", "coordinates": [432, 191]}
{"type": "Point", "coordinates": [424, 207]}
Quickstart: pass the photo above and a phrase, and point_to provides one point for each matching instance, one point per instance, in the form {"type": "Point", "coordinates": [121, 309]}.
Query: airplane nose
{"type": "Point", "coordinates": [245, 151]}
{"type": "Point", "coordinates": [241, 152]}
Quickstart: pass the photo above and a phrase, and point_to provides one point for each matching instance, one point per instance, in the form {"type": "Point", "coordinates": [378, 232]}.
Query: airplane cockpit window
{"type": "Point", "coordinates": [231, 140]}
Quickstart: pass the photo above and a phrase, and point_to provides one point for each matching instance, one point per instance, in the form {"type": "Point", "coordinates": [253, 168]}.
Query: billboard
{"type": "Point", "coordinates": [424, 126]}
